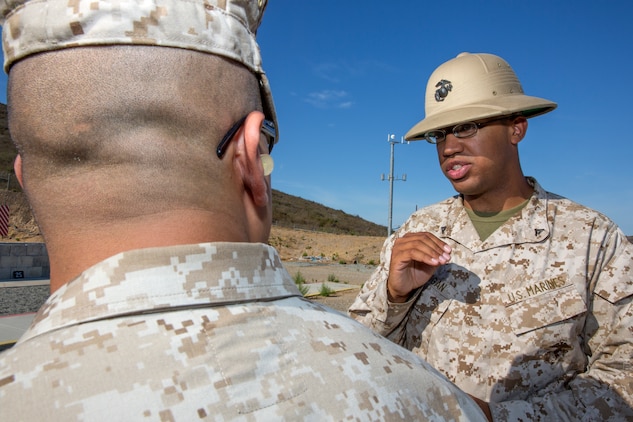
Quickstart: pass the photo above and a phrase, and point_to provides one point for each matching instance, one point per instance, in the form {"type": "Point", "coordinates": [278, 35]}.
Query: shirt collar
{"type": "Point", "coordinates": [155, 279]}
{"type": "Point", "coordinates": [530, 225]}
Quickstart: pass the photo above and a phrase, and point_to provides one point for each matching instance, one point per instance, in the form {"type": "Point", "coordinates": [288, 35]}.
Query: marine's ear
{"type": "Point", "coordinates": [519, 128]}
{"type": "Point", "coordinates": [17, 168]}
{"type": "Point", "coordinates": [249, 161]}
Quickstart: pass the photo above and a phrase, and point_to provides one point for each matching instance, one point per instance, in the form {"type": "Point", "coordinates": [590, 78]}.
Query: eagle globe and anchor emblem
{"type": "Point", "coordinates": [443, 88]}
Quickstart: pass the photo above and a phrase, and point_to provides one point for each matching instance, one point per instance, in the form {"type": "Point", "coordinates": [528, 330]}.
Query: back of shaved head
{"type": "Point", "coordinates": [123, 131]}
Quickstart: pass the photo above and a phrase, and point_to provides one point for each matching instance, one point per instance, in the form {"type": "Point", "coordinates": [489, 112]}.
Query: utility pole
{"type": "Point", "coordinates": [392, 142]}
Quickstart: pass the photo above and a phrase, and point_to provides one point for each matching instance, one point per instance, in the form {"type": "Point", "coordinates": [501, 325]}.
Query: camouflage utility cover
{"type": "Point", "coordinates": [536, 319]}
{"type": "Point", "coordinates": [215, 331]}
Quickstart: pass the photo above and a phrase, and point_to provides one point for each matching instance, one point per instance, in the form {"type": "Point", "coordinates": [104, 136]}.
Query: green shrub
{"type": "Point", "coordinates": [300, 282]}
{"type": "Point", "coordinates": [299, 278]}
{"type": "Point", "coordinates": [325, 290]}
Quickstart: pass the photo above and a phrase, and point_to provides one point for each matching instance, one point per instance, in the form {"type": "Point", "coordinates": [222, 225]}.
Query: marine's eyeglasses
{"type": "Point", "coordinates": [461, 131]}
{"type": "Point", "coordinates": [268, 130]}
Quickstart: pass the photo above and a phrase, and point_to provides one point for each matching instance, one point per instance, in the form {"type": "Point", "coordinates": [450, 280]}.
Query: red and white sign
{"type": "Point", "coordinates": [4, 220]}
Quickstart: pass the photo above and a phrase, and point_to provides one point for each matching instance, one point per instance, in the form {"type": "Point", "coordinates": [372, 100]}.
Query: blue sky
{"type": "Point", "coordinates": [347, 73]}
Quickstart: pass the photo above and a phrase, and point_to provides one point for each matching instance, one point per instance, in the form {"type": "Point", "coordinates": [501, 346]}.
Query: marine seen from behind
{"type": "Point", "coordinates": [144, 131]}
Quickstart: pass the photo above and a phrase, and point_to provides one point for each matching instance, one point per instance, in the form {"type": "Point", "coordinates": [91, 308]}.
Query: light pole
{"type": "Point", "coordinates": [392, 142]}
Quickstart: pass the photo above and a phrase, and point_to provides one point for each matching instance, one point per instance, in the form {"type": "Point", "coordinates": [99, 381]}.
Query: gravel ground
{"type": "Point", "coordinates": [22, 300]}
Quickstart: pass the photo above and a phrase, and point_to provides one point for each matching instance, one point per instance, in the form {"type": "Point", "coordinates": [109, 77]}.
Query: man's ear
{"type": "Point", "coordinates": [249, 161]}
{"type": "Point", "coordinates": [17, 167]}
{"type": "Point", "coordinates": [519, 128]}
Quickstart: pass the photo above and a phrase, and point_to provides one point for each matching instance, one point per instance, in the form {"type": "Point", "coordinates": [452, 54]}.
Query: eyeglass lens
{"type": "Point", "coordinates": [461, 131]}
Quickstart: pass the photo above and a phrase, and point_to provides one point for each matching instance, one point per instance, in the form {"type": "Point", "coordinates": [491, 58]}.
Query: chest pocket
{"type": "Point", "coordinates": [442, 302]}
{"type": "Point", "coordinates": [425, 314]}
{"type": "Point", "coordinates": [546, 309]}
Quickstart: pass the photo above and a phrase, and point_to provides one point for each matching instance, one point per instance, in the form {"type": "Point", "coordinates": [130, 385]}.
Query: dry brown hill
{"type": "Point", "coordinates": [298, 213]}
{"type": "Point", "coordinates": [293, 243]}
{"type": "Point", "coordinates": [7, 151]}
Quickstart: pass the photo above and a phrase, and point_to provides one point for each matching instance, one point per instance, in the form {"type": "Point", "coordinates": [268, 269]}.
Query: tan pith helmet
{"type": "Point", "coordinates": [473, 87]}
{"type": "Point", "coordinates": [222, 27]}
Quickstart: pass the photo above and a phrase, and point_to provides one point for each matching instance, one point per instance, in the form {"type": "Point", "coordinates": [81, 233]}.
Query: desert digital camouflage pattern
{"type": "Point", "coordinates": [536, 319]}
{"type": "Point", "coordinates": [215, 331]}
{"type": "Point", "coordinates": [222, 27]}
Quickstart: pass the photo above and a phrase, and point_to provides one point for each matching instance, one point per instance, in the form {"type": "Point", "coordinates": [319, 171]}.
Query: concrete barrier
{"type": "Point", "coordinates": [23, 261]}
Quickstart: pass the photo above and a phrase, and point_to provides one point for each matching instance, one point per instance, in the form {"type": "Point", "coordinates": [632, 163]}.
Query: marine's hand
{"type": "Point", "coordinates": [414, 259]}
